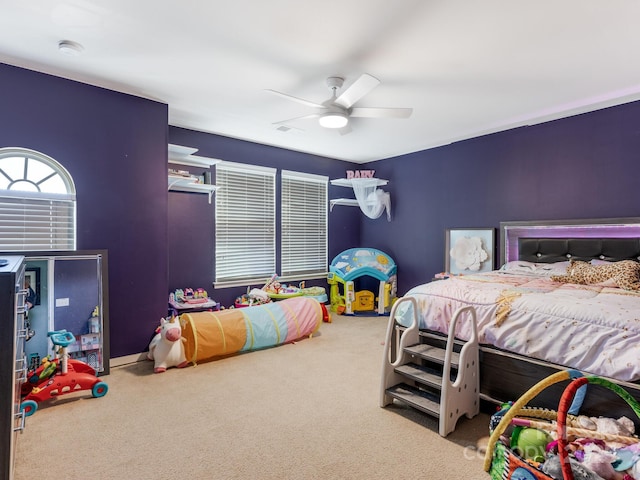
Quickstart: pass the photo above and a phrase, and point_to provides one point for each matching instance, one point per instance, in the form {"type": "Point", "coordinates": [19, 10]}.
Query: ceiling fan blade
{"type": "Point", "coordinates": [344, 130]}
{"type": "Point", "coordinates": [357, 90]}
{"type": "Point", "coordinates": [294, 119]}
{"type": "Point", "coordinates": [381, 112]}
{"type": "Point", "coordinates": [296, 99]}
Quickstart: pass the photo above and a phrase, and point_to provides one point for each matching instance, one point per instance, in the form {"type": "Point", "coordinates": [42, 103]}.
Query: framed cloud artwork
{"type": "Point", "coordinates": [469, 250]}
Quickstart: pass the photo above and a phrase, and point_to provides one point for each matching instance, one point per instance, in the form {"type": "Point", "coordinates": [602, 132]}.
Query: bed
{"type": "Point", "coordinates": [531, 326]}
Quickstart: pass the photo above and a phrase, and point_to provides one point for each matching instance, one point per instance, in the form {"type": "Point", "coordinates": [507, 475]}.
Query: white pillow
{"type": "Point", "coordinates": [531, 268]}
{"type": "Point", "coordinates": [556, 268]}
{"type": "Point", "coordinates": [519, 266]}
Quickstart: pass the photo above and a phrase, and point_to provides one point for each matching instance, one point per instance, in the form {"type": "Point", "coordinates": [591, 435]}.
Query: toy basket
{"type": "Point", "coordinates": [503, 463]}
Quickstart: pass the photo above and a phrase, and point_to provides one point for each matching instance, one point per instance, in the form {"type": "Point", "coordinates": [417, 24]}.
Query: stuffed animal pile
{"type": "Point", "coordinates": [600, 448]}
{"type": "Point", "coordinates": [611, 458]}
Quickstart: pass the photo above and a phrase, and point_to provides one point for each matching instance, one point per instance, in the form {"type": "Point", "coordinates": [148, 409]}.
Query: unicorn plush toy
{"type": "Point", "coordinates": [167, 346]}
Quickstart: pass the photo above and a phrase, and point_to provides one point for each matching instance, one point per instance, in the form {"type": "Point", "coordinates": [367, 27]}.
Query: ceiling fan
{"type": "Point", "coordinates": [336, 111]}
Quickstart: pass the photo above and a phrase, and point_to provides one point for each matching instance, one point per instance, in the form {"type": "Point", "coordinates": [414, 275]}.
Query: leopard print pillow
{"type": "Point", "coordinates": [624, 274]}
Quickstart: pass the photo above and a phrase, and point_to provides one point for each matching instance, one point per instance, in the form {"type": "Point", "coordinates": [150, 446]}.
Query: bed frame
{"type": "Point", "coordinates": [506, 376]}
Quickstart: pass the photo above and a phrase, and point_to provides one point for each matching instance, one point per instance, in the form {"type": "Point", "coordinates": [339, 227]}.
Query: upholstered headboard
{"type": "Point", "coordinates": [548, 250]}
{"type": "Point", "coordinates": [560, 240]}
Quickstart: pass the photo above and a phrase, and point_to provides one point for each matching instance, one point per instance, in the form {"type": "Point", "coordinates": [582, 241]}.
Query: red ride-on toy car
{"type": "Point", "coordinates": [60, 376]}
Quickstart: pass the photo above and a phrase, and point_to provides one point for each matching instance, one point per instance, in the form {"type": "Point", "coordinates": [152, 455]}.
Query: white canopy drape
{"type": "Point", "coordinates": [373, 201]}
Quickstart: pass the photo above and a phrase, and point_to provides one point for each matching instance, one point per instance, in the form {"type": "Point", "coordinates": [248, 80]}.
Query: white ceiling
{"type": "Point", "coordinates": [466, 67]}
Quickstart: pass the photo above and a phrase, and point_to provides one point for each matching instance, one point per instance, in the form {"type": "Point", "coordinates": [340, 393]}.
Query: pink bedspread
{"type": "Point", "coordinates": [594, 329]}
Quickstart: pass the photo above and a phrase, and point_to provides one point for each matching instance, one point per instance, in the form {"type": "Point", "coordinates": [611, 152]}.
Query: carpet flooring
{"type": "Point", "coordinates": [306, 410]}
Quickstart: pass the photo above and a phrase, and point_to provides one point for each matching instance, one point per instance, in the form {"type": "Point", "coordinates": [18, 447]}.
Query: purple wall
{"type": "Point", "coordinates": [578, 167]}
{"type": "Point", "coordinates": [191, 218]}
{"type": "Point", "coordinates": [114, 146]}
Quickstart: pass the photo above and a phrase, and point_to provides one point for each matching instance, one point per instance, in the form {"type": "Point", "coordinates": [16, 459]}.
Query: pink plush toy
{"type": "Point", "coordinates": [167, 346]}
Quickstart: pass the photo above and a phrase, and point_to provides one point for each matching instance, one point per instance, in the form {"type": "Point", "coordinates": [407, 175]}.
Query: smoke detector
{"type": "Point", "coordinates": [70, 48]}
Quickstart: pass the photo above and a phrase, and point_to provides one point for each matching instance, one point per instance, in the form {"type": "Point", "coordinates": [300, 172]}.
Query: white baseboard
{"type": "Point", "coordinates": [127, 359]}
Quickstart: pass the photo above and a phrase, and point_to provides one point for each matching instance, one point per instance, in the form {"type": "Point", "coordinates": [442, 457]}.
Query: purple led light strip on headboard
{"type": "Point", "coordinates": [599, 228]}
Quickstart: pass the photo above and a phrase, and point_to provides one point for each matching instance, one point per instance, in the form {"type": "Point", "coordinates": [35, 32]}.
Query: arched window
{"type": "Point", "coordinates": [37, 202]}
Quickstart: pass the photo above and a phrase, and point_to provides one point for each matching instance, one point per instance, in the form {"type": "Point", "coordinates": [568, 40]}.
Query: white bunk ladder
{"type": "Point", "coordinates": [434, 374]}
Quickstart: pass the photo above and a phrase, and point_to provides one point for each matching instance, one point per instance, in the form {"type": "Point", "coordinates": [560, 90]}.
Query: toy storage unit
{"type": "Point", "coordinates": [354, 265]}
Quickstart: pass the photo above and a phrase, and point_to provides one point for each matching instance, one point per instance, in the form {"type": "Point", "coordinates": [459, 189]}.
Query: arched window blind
{"type": "Point", "coordinates": [37, 202]}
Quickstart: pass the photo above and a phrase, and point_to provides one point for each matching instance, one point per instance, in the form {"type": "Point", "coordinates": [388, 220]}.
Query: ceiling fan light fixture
{"type": "Point", "coordinates": [333, 120]}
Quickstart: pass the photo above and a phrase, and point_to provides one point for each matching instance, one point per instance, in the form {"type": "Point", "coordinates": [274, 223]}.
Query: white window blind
{"type": "Point", "coordinates": [304, 224]}
{"type": "Point", "coordinates": [37, 202]}
{"type": "Point", "coordinates": [36, 224]}
{"type": "Point", "coordinates": [245, 224]}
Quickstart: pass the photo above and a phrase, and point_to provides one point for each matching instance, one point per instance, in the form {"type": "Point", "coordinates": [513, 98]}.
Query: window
{"type": "Point", "coordinates": [304, 225]}
{"type": "Point", "coordinates": [245, 224]}
{"type": "Point", "coordinates": [37, 202]}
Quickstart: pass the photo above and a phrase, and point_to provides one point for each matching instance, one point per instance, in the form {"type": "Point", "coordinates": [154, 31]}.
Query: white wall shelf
{"type": "Point", "coordinates": [185, 156]}
{"type": "Point", "coordinates": [349, 202]}
{"type": "Point", "coordinates": [348, 182]}
{"type": "Point", "coordinates": [181, 155]}
{"type": "Point", "coordinates": [179, 183]}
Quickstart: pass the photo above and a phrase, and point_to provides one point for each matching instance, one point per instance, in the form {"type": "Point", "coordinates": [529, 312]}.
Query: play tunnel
{"type": "Point", "coordinates": [214, 334]}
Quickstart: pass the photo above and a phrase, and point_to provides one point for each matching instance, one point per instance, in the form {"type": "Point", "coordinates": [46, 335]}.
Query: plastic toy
{"type": "Point", "coordinates": [60, 376]}
{"type": "Point", "coordinates": [190, 295]}
{"type": "Point", "coordinates": [319, 293]}
{"type": "Point", "coordinates": [94, 321]}
{"type": "Point", "coordinates": [356, 264]}
{"type": "Point", "coordinates": [530, 443]}
{"type": "Point", "coordinates": [167, 346]}
{"type": "Point", "coordinates": [254, 297]}
{"type": "Point", "coordinates": [278, 291]}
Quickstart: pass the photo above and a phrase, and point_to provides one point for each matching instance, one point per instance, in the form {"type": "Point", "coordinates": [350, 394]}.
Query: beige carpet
{"type": "Point", "coordinates": [307, 410]}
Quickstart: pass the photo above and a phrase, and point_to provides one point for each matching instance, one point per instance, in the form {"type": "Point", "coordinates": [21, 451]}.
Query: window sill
{"type": "Point", "coordinates": [259, 282]}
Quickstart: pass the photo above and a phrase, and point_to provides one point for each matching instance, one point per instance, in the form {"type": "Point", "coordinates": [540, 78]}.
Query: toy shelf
{"type": "Point", "coordinates": [181, 155]}
{"type": "Point", "coordinates": [348, 182]}
{"type": "Point", "coordinates": [179, 183]}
